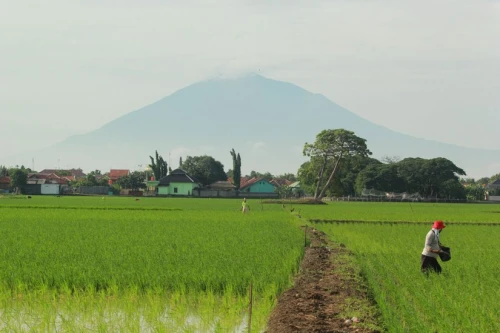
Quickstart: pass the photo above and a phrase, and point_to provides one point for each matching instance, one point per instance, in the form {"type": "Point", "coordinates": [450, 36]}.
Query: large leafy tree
{"type": "Point", "coordinates": [426, 176]}
{"type": "Point", "coordinates": [158, 166]}
{"type": "Point", "coordinates": [95, 172]}
{"type": "Point", "coordinates": [288, 176]}
{"type": "Point", "coordinates": [236, 169]}
{"type": "Point", "coordinates": [475, 192]}
{"type": "Point", "coordinates": [308, 176]}
{"type": "Point", "coordinates": [344, 182]}
{"type": "Point", "coordinates": [494, 177]}
{"type": "Point", "coordinates": [204, 168]}
{"type": "Point", "coordinates": [483, 181]}
{"type": "Point", "coordinates": [349, 170]}
{"type": "Point", "coordinates": [440, 170]}
{"type": "Point", "coordinates": [382, 177]}
{"type": "Point", "coordinates": [329, 150]}
{"type": "Point", "coordinates": [18, 178]}
{"type": "Point", "coordinates": [93, 178]}
{"type": "Point", "coordinates": [452, 189]}
{"type": "Point", "coordinates": [266, 175]}
{"type": "Point", "coordinates": [284, 191]}
{"type": "Point", "coordinates": [22, 168]}
{"type": "Point", "coordinates": [133, 181]}
{"type": "Point", "coordinates": [437, 177]}
{"type": "Point", "coordinates": [3, 171]}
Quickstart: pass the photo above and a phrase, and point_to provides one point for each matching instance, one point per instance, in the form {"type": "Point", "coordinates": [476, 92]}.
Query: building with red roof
{"type": "Point", "coordinates": [4, 183]}
{"type": "Point", "coordinates": [115, 174]}
{"type": "Point", "coordinates": [257, 185]}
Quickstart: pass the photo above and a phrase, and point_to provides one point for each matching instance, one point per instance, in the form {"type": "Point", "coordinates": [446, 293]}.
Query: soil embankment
{"type": "Point", "coordinates": [322, 290]}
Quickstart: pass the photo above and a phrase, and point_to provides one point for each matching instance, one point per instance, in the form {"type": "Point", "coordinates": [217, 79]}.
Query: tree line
{"type": "Point", "coordinates": [340, 164]}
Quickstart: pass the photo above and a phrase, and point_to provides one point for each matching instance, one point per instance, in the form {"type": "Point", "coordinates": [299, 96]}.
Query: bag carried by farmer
{"type": "Point", "coordinates": [445, 255]}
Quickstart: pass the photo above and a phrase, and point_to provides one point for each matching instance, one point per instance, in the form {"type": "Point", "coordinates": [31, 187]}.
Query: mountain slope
{"type": "Point", "coordinates": [267, 121]}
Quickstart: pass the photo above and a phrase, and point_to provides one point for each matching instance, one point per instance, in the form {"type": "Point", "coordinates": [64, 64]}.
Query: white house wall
{"type": "Point", "coordinates": [50, 188]}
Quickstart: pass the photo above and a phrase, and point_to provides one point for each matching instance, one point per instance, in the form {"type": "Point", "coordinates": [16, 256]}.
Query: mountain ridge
{"type": "Point", "coordinates": [267, 121]}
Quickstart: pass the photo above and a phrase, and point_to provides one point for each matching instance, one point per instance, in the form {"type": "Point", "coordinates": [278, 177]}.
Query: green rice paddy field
{"type": "Point", "coordinates": [387, 247]}
{"type": "Point", "coordinates": [72, 264]}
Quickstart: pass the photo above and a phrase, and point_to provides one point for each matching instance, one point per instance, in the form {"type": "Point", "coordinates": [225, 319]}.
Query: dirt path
{"type": "Point", "coordinates": [320, 295]}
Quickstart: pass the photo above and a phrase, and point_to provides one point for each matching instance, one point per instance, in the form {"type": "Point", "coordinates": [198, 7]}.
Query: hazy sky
{"type": "Point", "coordinates": [428, 68]}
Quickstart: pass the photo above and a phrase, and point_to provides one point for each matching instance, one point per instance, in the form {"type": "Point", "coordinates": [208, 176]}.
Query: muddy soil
{"type": "Point", "coordinates": [317, 300]}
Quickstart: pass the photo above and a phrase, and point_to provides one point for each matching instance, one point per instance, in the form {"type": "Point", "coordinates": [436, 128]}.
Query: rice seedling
{"type": "Point", "coordinates": [464, 298]}
{"type": "Point", "coordinates": [179, 264]}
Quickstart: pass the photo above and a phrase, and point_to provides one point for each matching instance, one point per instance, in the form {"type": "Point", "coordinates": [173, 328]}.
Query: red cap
{"type": "Point", "coordinates": [438, 225]}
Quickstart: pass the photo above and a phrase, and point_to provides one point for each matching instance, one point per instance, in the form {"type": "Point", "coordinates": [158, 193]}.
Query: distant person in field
{"type": "Point", "coordinates": [244, 206]}
{"type": "Point", "coordinates": [432, 249]}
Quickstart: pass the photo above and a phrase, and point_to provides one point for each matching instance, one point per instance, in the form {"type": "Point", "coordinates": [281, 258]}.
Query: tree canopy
{"type": "Point", "coordinates": [93, 178]}
{"type": "Point", "coordinates": [329, 150]}
{"type": "Point", "coordinates": [18, 178]}
{"type": "Point", "coordinates": [158, 166]}
{"type": "Point", "coordinates": [3, 171]}
{"type": "Point", "coordinates": [437, 177]}
{"type": "Point", "coordinates": [344, 182]}
{"type": "Point", "coordinates": [288, 176]}
{"type": "Point", "coordinates": [133, 181]}
{"type": "Point", "coordinates": [256, 174]}
{"type": "Point", "coordinates": [204, 168]}
{"type": "Point", "coordinates": [236, 171]}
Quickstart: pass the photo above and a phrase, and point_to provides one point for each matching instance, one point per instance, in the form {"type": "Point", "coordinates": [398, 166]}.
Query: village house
{"type": "Point", "coordinates": [221, 185]}
{"type": "Point", "coordinates": [75, 174]}
{"type": "Point", "coordinates": [494, 185]}
{"type": "Point", "coordinates": [178, 183]}
{"type": "Point", "coordinates": [257, 185]}
{"type": "Point", "coordinates": [151, 187]}
{"type": "Point", "coordinates": [45, 183]}
{"type": "Point", "coordinates": [115, 174]}
{"type": "Point", "coordinates": [5, 184]}
{"type": "Point", "coordinates": [493, 191]}
{"type": "Point", "coordinates": [280, 182]}
{"type": "Point", "coordinates": [297, 191]}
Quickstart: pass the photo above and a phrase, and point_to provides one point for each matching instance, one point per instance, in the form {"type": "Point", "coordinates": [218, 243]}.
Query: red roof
{"type": "Point", "coordinates": [280, 182]}
{"type": "Point", "coordinates": [118, 173]}
{"type": "Point", "coordinates": [42, 176]}
{"type": "Point", "coordinates": [77, 173]}
{"type": "Point", "coordinates": [243, 180]}
{"type": "Point", "coordinates": [249, 182]}
{"type": "Point", "coordinates": [5, 180]}
{"type": "Point", "coordinates": [61, 180]}
{"type": "Point", "coordinates": [50, 178]}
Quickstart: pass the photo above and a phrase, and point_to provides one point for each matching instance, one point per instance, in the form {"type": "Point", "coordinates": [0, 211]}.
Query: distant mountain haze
{"type": "Point", "coordinates": [264, 120]}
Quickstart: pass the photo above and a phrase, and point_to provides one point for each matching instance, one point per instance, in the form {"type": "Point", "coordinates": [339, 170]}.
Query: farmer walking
{"type": "Point", "coordinates": [244, 206]}
{"type": "Point", "coordinates": [432, 249]}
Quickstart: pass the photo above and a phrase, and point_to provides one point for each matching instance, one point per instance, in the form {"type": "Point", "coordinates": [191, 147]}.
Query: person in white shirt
{"type": "Point", "coordinates": [244, 206]}
{"type": "Point", "coordinates": [432, 249]}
